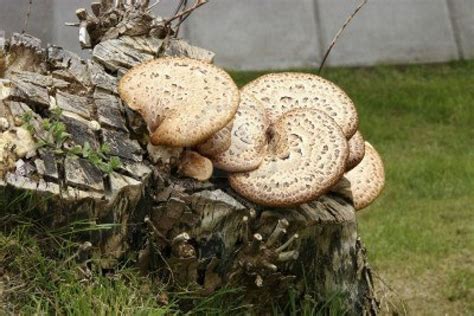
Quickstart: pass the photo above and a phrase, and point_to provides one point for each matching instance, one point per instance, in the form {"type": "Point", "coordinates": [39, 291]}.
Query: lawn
{"type": "Point", "coordinates": [419, 233]}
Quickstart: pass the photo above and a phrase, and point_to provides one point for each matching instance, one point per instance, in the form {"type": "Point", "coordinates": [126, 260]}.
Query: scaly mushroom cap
{"type": "Point", "coordinates": [356, 151]}
{"type": "Point", "coordinates": [248, 140]}
{"type": "Point", "coordinates": [218, 143]}
{"type": "Point", "coordinates": [283, 92]}
{"type": "Point", "coordinates": [306, 157]}
{"type": "Point", "coordinates": [184, 101]}
{"type": "Point", "coordinates": [367, 178]}
{"type": "Point", "coordinates": [195, 166]}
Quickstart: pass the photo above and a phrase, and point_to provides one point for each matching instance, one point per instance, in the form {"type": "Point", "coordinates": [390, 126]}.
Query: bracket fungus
{"type": "Point", "coordinates": [356, 150]}
{"type": "Point", "coordinates": [306, 156]}
{"type": "Point", "coordinates": [367, 179]}
{"type": "Point", "coordinates": [183, 101]}
{"type": "Point", "coordinates": [248, 138]}
{"type": "Point", "coordinates": [218, 143]}
{"type": "Point", "coordinates": [282, 92]}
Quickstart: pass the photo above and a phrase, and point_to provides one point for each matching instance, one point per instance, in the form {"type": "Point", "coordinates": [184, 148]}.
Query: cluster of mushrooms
{"type": "Point", "coordinates": [284, 138]}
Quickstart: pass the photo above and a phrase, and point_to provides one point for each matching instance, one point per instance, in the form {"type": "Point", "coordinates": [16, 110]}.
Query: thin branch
{"type": "Point", "coordinates": [333, 43]}
{"type": "Point", "coordinates": [179, 8]}
{"type": "Point", "coordinates": [186, 12]}
{"type": "Point", "coordinates": [153, 5]}
{"type": "Point", "coordinates": [181, 19]}
{"type": "Point", "coordinates": [28, 14]}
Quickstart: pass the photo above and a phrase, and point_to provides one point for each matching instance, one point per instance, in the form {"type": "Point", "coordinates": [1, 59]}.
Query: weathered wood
{"type": "Point", "coordinates": [77, 188]}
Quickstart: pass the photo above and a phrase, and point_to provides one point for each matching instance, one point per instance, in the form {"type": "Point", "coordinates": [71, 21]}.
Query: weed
{"type": "Point", "coordinates": [53, 135]}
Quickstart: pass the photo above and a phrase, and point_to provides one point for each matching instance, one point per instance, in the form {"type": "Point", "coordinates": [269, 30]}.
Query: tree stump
{"type": "Point", "coordinates": [193, 233]}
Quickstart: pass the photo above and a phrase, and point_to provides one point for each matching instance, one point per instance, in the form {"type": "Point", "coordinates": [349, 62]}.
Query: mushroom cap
{"type": "Point", "coordinates": [356, 150]}
{"type": "Point", "coordinates": [283, 92]}
{"type": "Point", "coordinates": [367, 179]}
{"type": "Point", "coordinates": [195, 166]}
{"type": "Point", "coordinates": [305, 158]}
{"type": "Point", "coordinates": [184, 101]}
{"type": "Point", "coordinates": [218, 143]}
{"type": "Point", "coordinates": [248, 138]}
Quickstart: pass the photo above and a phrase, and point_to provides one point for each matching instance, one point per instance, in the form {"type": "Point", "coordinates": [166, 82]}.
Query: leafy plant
{"type": "Point", "coordinates": [53, 135]}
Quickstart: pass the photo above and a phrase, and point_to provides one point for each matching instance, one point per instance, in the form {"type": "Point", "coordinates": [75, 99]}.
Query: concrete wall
{"type": "Point", "coordinates": [13, 13]}
{"type": "Point", "coordinates": [462, 16]}
{"type": "Point", "coordinates": [264, 34]}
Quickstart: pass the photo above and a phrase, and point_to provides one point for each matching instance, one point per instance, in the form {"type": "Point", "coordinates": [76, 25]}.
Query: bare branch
{"type": "Point", "coordinates": [333, 43]}
{"type": "Point", "coordinates": [186, 12]}
{"type": "Point", "coordinates": [183, 6]}
{"type": "Point", "coordinates": [153, 5]}
{"type": "Point", "coordinates": [179, 8]}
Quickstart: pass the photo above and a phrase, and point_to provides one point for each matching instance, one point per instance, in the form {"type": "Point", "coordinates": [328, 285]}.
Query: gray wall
{"type": "Point", "coordinates": [263, 34]}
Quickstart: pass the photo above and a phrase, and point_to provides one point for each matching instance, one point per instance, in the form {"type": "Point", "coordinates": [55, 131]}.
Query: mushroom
{"type": "Point", "coordinates": [282, 92]}
{"type": "Point", "coordinates": [195, 166]}
{"type": "Point", "coordinates": [356, 151]}
{"type": "Point", "coordinates": [306, 156]}
{"type": "Point", "coordinates": [183, 101]}
{"type": "Point", "coordinates": [248, 139]}
{"type": "Point", "coordinates": [218, 143]}
{"type": "Point", "coordinates": [367, 179]}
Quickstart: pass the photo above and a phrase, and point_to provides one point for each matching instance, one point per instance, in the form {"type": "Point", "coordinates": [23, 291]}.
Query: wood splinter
{"type": "Point", "coordinates": [256, 243]}
{"type": "Point", "coordinates": [278, 232]}
{"type": "Point", "coordinates": [155, 230]}
{"type": "Point", "coordinates": [289, 255]}
{"type": "Point", "coordinates": [245, 233]}
{"type": "Point", "coordinates": [287, 243]}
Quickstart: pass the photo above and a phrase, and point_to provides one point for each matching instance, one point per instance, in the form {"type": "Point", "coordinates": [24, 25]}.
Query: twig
{"type": "Point", "coordinates": [183, 6]}
{"type": "Point", "coordinates": [180, 5]}
{"type": "Point", "coordinates": [186, 12]}
{"type": "Point", "coordinates": [28, 14]}
{"type": "Point", "coordinates": [153, 5]}
{"type": "Point", "coordinates": [349, 19]}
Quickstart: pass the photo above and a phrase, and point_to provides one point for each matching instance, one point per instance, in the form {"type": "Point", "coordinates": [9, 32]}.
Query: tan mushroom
{"type": "Point", "coordinates": [248, 140]}
{"type": "Point", "coordinates": [282, 92]}
{"type": "Point", "coordinates": [306, 157]}
{"type": "Point", "coordinates": [356, 151]}
{"type": "Point", "coordinates": [195, 166]}
{"type": "Point", "coordinates": [218, 143]}
{"type": "Point", "coordinates": [183, 101]}
{"type": "Point", "coordinates": [367, 179]}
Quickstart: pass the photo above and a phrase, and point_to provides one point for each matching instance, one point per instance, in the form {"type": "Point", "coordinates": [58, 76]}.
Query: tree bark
{"type": "Point", "coordinates": [192, 233]}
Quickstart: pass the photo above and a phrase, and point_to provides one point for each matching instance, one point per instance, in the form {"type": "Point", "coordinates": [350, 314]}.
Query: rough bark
{"type": "Point", "coordinates": [189, 232]}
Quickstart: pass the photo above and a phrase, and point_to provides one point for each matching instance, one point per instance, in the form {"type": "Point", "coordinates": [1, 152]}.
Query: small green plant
{"type": "Point", "coordinates": [97, 157]}
{"type": "Point", "coordinates": [53, 134]}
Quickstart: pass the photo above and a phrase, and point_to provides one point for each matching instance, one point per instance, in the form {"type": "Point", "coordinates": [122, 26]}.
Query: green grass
{"type": "Point", "coordinates": [419, 233]}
